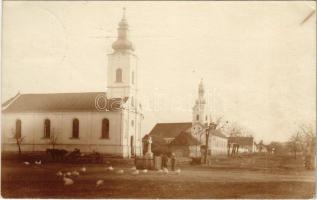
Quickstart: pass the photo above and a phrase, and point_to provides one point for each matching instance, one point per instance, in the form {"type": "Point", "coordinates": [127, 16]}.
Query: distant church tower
{"type": "Point", "coordinates": [200, 109]}
{"type": "Point", "coordinates": [122, 66]}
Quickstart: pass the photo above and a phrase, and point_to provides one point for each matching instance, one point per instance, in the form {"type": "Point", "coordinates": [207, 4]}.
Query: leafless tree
{"type": "Point", "coordinates": [19, 139]}
{"type": "Point", "coordinates": [53, 139]}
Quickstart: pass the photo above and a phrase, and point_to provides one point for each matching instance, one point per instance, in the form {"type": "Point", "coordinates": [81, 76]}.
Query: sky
{"type": "Point", "coordinates": [257, 59]}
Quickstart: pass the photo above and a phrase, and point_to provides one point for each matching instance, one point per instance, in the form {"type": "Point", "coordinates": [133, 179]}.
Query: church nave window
{"type": "Point", "coordinates": [197, 117]}
{"type": "Point", "coordinates": [47, 128]}
{"type": "Point", "coordinates": [105, 129]}
{"type": "Point", "coordinates": [75, 133]}
{"type": "Point", "coordinates": [132, 123]}
{"type": "Point", "coordinates": [119, 75]}
{"type": "Point", "coordinates": [18, 128]}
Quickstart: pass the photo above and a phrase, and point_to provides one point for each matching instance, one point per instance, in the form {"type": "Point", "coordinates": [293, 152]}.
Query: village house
{"type": "Point", "coordinates": [108, 121]}
{"type": "Point", "coordinates": [241, 144]}
{"type": "Point", "coordinates": [189, 138]}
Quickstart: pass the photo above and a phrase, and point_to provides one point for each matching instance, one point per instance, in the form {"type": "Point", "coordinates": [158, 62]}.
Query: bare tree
{"type": "Point", "coordinates": [19, 139]}
{"type": "Point", "coordinates": [295, 144]}
{"type": "Point", "coordinates": [53, 139]}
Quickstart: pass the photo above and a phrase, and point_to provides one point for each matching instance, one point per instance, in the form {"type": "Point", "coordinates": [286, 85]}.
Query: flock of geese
{"type": "Point", "coordinates": [67, 177]}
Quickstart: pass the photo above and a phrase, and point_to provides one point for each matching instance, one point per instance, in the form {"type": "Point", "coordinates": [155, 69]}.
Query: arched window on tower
{"type": "Point", "coordinates": [119, 75]}
{"type": "Point", "coordinates": [105, 128]}
{"type": "Point", "coordinates": [75, 128]}
{"type": "Point", "coordinates": [47, 128]}
{"type": "Point", "coordinates": [18, 128]}
{"type": "Point", "coordinates": [197, 117]}
{"type": "Point", "coordinates": [132, 77]}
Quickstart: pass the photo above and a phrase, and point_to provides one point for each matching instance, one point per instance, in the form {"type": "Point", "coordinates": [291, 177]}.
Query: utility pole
{"type": "Point", "coordinates": [211, 127]}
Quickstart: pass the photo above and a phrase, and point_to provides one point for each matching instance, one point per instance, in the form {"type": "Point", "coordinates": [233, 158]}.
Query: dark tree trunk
{"type": "Point", "coordinates": [207, 143]}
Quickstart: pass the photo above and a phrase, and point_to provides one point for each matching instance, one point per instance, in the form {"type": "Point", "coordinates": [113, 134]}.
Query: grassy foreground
{"type": "Point", "coordinates": [40, 181]}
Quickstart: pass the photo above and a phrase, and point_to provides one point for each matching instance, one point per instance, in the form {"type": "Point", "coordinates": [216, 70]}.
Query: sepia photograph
{"type": "Point", "coordinates": [158, 99]}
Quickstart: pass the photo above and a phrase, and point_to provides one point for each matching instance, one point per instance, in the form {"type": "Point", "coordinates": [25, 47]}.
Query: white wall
{"type": "Point", "coordinates": [61, 125]}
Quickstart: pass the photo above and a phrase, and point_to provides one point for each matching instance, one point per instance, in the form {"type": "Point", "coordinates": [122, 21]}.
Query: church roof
{"type": "Point", "coordinates": [169, 130]}
{"type": "Point", "coordinates": [61, 102]}
{"type": "Point", "coordinates": [218, 133]}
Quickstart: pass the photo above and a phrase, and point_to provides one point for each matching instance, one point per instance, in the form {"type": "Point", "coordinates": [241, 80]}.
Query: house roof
{"type": "Point", "coordinates": [218, 133]}
{"type": "Point", "coordinates": [241, 140]}
{"type": "Point", "coordinates": [61, 102]}
{"type": "Point", "coordinates": [185, 138]}
{"type": "Point", "coordinates": [169, 130]}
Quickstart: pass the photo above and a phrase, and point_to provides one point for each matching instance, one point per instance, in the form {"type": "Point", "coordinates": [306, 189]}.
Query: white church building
{"type": "Point", "coordinates": [107, 122]}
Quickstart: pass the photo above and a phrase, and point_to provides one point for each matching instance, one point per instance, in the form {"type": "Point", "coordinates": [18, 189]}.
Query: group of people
{"type": "Point", "coordinates": [165, 159]}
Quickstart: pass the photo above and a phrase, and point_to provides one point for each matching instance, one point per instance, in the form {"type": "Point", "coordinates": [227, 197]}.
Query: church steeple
{"type": "Point", "coordinates": [122, 43]}
{"type": "Point", "coordinates": [200, 110]}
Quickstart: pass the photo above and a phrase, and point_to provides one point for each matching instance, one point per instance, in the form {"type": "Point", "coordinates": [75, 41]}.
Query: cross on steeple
{"type": "Point", "coordinates": [123, 14]}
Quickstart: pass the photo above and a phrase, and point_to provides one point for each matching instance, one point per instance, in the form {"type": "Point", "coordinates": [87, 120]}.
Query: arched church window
{"type": "Point", "coordinates": [75, 128]}
{"type": "Point", "coordinates": [197, 117]}
{"type": "Point", "coordinates": [119, 75]}
{"type": "Point", "coordinates": [18, 128]}
{"type": "Point", "coordinates": [47, 128]}
{"type": "Point", "coordinates": [132, 77]}
{"type": "Point", "coordinates": [132, 123]}
{"type": "Point", "coordinates": [105, 128]}
{"type": "Point", "coordinates": [206, 118]}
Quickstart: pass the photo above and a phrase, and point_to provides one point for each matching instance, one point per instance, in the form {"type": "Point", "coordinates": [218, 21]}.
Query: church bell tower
{"type": "Point", "coordinates": [200, 109]}
{"type": "Point", "coordinates": [122, 67]}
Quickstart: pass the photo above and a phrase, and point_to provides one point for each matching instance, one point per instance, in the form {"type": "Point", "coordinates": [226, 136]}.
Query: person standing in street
{"type": "Point", "coordinates": [173, 161]}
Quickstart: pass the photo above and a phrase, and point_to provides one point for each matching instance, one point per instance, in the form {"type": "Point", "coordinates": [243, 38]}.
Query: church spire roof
{"type": "Point", "coordinates": [122, 43]}
{"type": "Point", "coordinates": [201, 89]}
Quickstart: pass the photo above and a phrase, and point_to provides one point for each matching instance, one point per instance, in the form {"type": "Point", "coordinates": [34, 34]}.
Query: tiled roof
{"type": "Point", "coordinates": [169, 130]}
{"type": "Point", "coordinates": [219, 133]}
{"type": "Point", "coordinates": [185, 138]}
{"type": "Point", "coordinates": [60, 102]}
{"type": "Point", "coordinates": [241, 140]}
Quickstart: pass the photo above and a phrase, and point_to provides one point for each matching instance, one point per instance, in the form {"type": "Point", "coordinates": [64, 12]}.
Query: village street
{"type": "Point", "coordinates": [34, 181]}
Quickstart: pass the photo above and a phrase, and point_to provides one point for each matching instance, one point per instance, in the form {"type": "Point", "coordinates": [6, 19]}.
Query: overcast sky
{"type": "Point", "coordinates": [256, 58]}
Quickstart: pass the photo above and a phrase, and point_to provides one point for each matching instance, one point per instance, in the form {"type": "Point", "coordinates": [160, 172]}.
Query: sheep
{"type": "Point", "coordinates": [178, 171]}
{"type": "Point", "coordinates": [144, 171]}
{"type": "Point", "coordinates": [68, 181]}
{"type": "Point", "coordinates": [120, 171]}
{"type": "Point", "coordinates": [99, 183]}
{"type": "Point", "coordinates": [159, 171]}
{"type": "Point", "coordinates": [136, 172]}
{"type": "Point", "coordinates": [26, 163]}
{"type": "Point", "coordinates": [68, 174]}
{"type": "Point", "coordinates": [165, 170]}
{"type": "Point", "coordinates": [133, 168]}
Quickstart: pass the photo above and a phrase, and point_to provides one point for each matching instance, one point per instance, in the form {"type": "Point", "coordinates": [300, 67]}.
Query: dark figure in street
{"type": "Point", "coordinates": [164, 161]}
{"type": "Point", "coordinates": [173, 161]}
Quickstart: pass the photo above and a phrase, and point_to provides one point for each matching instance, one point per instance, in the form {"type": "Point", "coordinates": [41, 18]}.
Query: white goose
{"type": "Point", "coordinates": [83, 169]}
{"type": "Point", "coordinates": [59, 173]}
{"type": "Point", "coordinates": [68, 181]}
{"type": "Point", "coordinates": [110, 168]}
{"type": "Point", "coordinates": [38, 162]}
{"type": "Point", "coordinates": [99, 183]}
